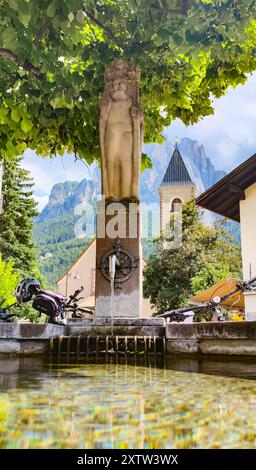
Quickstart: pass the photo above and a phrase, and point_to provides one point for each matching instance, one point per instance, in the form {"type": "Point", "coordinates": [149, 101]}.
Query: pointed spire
{"type": "Point", "coordinates": [176, 173]}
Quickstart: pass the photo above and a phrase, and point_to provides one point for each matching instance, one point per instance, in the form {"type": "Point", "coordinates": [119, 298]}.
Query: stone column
{"type": "Point", "coordinates": [118, 233]}
{"type": "Point", "coordinates": [118, 288]}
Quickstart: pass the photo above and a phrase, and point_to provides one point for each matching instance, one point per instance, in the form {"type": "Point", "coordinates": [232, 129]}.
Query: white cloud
{"type": "Point", "coordinates": [228, 150]}
{"type": "Point", "coordinates": [49, 171]}
{"type": "Point", "coordinates": [229, 135]}
{"type": "Point", "coordinates": [41, 201]}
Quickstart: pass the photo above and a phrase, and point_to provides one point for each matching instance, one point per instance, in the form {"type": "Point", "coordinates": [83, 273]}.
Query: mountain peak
{"type": "Point", "coordinates": [65, 196]}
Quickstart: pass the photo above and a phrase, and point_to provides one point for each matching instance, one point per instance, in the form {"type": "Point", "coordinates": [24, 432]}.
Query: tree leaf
{"type": "Point", "coordinates": [15, 115]}
{"type": "Point", "coordinates": [3, 115]}
{"type": "Point", "coordinates": [146, 162]}
{"type": "Point", "coordinates": [10, 38]}
{"type": "Point", "coordinates": [51, 10]}
{"type": "Point", "coordinates": [24, 18]}
{"type": "Point", "coordinates": [26, 124]}
{"type": "Point", "coordinates": [80, 17]}
{"type": "Point", "coordinates": [71, 16]}
{"type": "Point", "coordinates": [163, 34]}
{"type": "Point", "coordinates": [74, 5]}
{"type": "Point", "coordinates": [14, 4]}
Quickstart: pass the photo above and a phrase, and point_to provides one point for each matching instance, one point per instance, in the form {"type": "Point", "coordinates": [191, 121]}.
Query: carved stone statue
{"type": "Point", "coordinates": [121, 132]}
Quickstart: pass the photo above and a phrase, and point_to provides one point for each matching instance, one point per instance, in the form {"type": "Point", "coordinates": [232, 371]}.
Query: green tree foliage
{"type": "Point", "coordinates": [53, 54]}
{"type": "Point", "coordinates": [9, 280]}
{"type": "Point", "coordinates": [205, 255]}
{"type": "Point", "coordinates": [208, 276]}
{"type": "Point", "coordinates": [16, 220]}
{"type": "Point", "coordinates": [55, 230]}
{"type": "Point", "coordinates": [57, 246]}
{"type": "Point", "coordinates": [63, 254]}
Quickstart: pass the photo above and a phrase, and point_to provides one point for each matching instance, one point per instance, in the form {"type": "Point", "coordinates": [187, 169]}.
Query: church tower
{"type": "Point", "coordinates": [176, 188]}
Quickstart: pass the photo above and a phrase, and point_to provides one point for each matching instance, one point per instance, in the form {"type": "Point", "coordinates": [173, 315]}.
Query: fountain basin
{"type": "Point", "coordinates": [205, 339]}
{"type": "Point", "coordinates": [217, 338]}
{"type": "Point", "coordinates": [27, 338]}
{"type": "Point", "coordinates": [120, 327]}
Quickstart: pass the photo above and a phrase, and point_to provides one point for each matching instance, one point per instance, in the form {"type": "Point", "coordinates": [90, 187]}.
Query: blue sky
{"type": "Point", "coordinates": [228, 136]}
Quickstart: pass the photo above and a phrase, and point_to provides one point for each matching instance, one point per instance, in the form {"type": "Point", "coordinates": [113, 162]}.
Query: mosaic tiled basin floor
{"type": "Point", "coordinates": [122, 406]}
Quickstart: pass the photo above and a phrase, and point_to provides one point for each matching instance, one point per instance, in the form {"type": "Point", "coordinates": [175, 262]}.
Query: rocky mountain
{"type": "Point", "coordinates": [195, 153]}
{"type": "Point", "coordinates": [67, 223]}
{"type": "Point", "coordinates": [66, 196]}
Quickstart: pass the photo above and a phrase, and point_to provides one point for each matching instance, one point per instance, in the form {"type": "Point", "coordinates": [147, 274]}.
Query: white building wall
{"type": "Point", "coordinates": [248, 243]}
{"type": "Point", "coordinates": [81, 273]}
{"type": "Point", "coordinates": [248, 232]}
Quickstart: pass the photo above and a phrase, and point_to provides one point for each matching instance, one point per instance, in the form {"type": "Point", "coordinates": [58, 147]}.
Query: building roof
{"type": "Point", "coordinates": [176, 173]}
{"type": "Point", "coordinates": [224, 196]}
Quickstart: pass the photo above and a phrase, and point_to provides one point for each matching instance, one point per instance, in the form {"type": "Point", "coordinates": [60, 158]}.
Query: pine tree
{"type": "Point", "coordinates": [16, 220]}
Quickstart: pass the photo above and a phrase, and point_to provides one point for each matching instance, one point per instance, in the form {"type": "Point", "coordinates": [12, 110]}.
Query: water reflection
{"type": "Point", "coordinates": [109, 405]}
{"type": "Point", "coordinates": [225, 366]}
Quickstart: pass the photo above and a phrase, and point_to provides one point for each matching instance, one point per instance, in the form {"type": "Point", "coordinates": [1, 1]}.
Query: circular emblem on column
{"type": "Point", "coordinates": [125, 265]}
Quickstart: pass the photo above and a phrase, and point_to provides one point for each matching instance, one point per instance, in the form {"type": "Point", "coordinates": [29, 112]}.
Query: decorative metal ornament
{"type": "Point", "coordinates": [126, 267]}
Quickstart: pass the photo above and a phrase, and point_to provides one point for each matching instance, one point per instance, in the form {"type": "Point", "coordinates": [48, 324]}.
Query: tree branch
{"type": "Point", "coordinates": [14, 75]}
{"type": "Point", "coordinates": [42, 31]}
{"type": "Point", "coordinates": [105, 28]}
{"type": "Point", "coordinates": [25, 66]}
{"type": "Point", "coordinates": [92, 31]}
{"type": "Point", "coordinates": [181, 11]}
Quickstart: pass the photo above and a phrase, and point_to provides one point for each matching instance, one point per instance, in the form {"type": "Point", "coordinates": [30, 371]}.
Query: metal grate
{"type": "Point", "coordinates": [94, 346]}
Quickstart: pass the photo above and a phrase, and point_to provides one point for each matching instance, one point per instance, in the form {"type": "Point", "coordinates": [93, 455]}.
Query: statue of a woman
{"type": "Point", "coordinates": [121, 132]}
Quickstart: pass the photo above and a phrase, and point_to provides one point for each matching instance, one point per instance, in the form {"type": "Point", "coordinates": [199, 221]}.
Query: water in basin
{"type": "Point", "coordinates": [113, 405]}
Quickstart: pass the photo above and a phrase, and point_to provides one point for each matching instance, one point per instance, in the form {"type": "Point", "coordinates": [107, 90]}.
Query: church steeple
{"type": "Point", "coordinates": [176, 187]}
{"type": "Point", "coordinates": [176, 173]}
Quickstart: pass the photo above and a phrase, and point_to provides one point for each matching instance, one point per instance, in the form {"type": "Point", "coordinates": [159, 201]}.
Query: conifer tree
{"type": "Point", "coordinates": [16, 220]}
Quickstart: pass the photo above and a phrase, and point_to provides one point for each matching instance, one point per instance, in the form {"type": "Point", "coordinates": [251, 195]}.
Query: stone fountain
{"type": "Point", "coordinates": [118, 241]}
{"type": "Point", "coordinates": [118, 216]}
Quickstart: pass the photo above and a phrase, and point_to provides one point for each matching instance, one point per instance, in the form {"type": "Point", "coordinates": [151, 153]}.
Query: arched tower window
{"type": "Point", "coordinates": [176, 204]}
